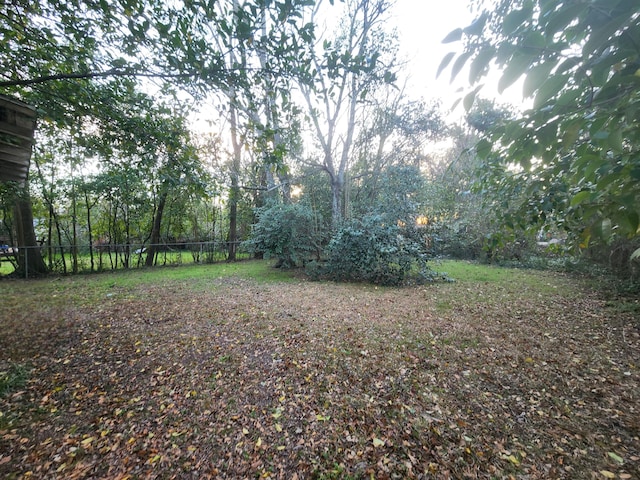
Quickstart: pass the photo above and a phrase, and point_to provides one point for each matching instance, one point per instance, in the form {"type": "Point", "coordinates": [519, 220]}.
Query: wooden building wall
{"type": "Point", "coordinates": [17, 125]}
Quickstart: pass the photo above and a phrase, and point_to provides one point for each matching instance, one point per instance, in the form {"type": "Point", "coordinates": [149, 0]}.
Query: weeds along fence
{"type": "Point", "coordinates": [69, 259]}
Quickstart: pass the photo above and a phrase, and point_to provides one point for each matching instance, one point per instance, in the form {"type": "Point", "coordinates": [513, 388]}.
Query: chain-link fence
{"type": "Point", "coordinates": [107, 257]}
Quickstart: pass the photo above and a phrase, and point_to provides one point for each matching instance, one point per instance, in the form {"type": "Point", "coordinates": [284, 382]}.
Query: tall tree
{"type": "Point", "coordinates": [397, 132]}
{"type": "Point", "coordinates": [258, 41]}
{"type": "Point", "coordinates": [179, 171]}
{"type": "Point", "coordinates": [30, 260]}
{"type": "Point", "coordinates": [342, 72]}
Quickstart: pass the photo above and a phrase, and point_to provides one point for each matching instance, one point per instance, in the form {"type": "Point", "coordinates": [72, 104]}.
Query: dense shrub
{"type": "Point", "coordinates": [289, 233]}
{"type": "Point", "coordinates": [617, 258]}
{"type": "Point", "coordinates": [457, 239]}
{"type": "Point", "coordinates": [514, 247]}
{"type": "Point", "coordinates": [370, 250]}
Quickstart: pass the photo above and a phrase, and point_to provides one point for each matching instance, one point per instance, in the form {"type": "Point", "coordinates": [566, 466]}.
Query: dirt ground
{"type": "Point", "coordinates": [244, 379]}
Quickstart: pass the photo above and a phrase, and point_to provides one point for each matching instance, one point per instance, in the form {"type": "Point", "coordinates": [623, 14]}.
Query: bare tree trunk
{"type": "Point", "coordinates": [155, 231]}
{"type": "Point", "coordinates": [234, 192]}
{"type": "Point", "coordinates": [89, 229]}
{"type": "Point", "coordinates": [74, 226]}
{"type": "Point", "coordinates": [113, 235]}
{"type": "Point", "coordinates": [30, 262]}
{"type": "Point", "coordinates": [50, 235]}
{"type": "Point", "coordinates": [127, 229]}
{"type": "Point", "coordinates": [60, 242]}
{"type": "Point", "coordinates": [337, 191]}
{"type": "Point", "coordinates": [48, 198]}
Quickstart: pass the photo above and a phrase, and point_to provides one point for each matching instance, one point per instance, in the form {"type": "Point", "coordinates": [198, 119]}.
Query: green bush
{"type": "Point", "coordinates": [289, 233]}
{"type": "Point", "coordinates": [456, 239]}
{"type": "Point", "coordinates": [371, 250]}
{"type": "Point", "coordinates": [616, 257]}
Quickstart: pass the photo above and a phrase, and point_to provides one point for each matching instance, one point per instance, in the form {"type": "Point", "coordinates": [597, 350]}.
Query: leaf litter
{"type": "Point", "coordinates": [319, 380]}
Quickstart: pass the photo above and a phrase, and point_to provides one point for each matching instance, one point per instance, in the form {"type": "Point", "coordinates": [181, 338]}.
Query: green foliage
{"type": "Point", "coordinates": [388, 148]}
{"type": "Point", "coordinates": [460, 238]}
{"type": "Point", "coordinates": [573, 159]}
{"type": "Point", "coordinates": [59, 40]}
{"type": "Point", "coordinates": [289, 232]}
{"type": "Point", "coordinates": [316, 191]}
{"type": "Point", "coordinates": [617, 258]}
{"type": "Point", "coordinates": [80, 63]}
{"type": "Point", "coordinates": [384, 246]}
{"type": "Point", "coordinates": [370, 250]}
{"type": "Point", "coordinates": [457, 221]}
{"type": "Point", "coordinates": [485, 114]}
{"type": "Point", "coordinates": [399, 198]}
{"type": "Point", "coordinates": [139, 153]}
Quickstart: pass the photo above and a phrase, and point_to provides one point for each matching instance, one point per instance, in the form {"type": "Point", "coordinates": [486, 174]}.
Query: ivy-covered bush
{"type": "Point", "coordinates": [290, 233]}
{"type": "Point", "coordinates": [372, 250]}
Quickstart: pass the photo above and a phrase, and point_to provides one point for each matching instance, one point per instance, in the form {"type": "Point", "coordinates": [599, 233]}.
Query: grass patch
{"type": "Point", "coordinates": [470, 272]}
{"type": "Point", "coordinates": [524, 280]}
{"type": "Point", "coordinates": [12, 378]}
{"type": "Point", "coordinates": [443, 306]}
{"type": "Point", "coordinates": [89, 289]}
{"type": "Point", "coordinates": [196, 275]}
{"type": "Point", "coordinates": [6, 267]}
{"type": "Point", "coordinates": [625, 306]}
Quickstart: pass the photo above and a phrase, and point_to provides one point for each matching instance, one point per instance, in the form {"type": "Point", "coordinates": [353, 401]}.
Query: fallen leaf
{"type": "Point", "coordinates": [512, 459]}
{"type": "Point", "coordinates": [616, 457]}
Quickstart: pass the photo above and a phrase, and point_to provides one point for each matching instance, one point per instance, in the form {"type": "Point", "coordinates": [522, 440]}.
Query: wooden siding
{"type": "Point", "coordinates": [17, 124]}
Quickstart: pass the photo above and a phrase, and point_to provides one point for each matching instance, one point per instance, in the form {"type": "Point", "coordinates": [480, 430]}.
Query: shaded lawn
{"type": "Point", "coordinates": [503, 374]}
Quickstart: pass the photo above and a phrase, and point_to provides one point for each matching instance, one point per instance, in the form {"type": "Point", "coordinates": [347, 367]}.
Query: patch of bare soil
{"type": "Point", "coordinates": [316, 380]}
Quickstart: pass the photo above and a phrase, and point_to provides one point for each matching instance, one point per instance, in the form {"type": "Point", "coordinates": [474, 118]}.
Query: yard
{"type": "Point", "coordinates": [243, 371]}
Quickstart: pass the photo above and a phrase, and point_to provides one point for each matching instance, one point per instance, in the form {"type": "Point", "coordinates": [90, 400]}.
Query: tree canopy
{"type": "Point", "coordinates": [573, 158]}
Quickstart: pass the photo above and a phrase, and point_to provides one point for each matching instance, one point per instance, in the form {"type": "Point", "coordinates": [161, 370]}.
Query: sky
{"type": "Point", "coordinates": [422, 25]}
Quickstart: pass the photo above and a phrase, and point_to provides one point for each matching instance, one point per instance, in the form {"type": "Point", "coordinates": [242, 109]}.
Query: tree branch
{"type": "Point", "coordinates": [87, 75]}
{"type": "Point", "coordinates": [114, 72]}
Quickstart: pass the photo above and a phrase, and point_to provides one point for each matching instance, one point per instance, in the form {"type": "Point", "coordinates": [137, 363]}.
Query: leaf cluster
{"type": "Point", "coordinates": [384, 246]}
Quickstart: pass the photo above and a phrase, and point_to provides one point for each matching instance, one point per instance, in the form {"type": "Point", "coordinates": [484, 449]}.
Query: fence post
{"type": "Point", "coordinates": [26, 262]}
